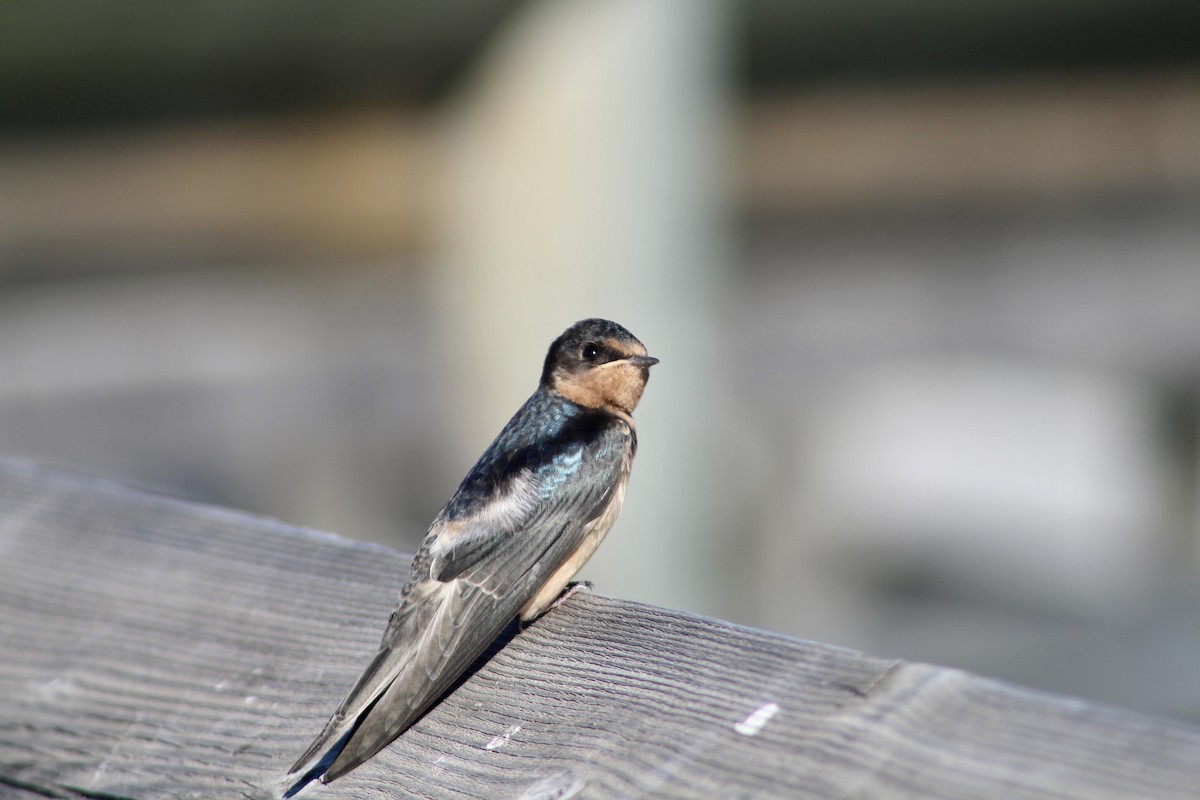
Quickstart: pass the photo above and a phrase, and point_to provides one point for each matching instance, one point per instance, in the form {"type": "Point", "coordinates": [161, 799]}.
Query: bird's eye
{"type": "Point", "coordinates": [590, 351]}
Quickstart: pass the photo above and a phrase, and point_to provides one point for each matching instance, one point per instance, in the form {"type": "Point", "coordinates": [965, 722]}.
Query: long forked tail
{"type": "Point", "coordinates": [299, 780]}
{"type": "Point", "coordinates": [301, 774]}
{"type": "Point", "coordinates": [332, 739]}
{"type": "Point", "coordinates": [325, 749]}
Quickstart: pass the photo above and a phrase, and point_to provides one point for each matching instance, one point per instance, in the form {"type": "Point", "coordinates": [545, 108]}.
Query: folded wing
{"type": "Point", "coordinates": [478, 565]}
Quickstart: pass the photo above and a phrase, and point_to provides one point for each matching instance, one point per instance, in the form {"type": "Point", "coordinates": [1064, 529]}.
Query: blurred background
{"type": "Point", "coordinates": [924, 278]}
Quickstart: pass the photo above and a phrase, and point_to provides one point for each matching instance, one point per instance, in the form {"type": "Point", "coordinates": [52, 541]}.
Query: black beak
{"type": "Point", "coordinates": [642, 361]}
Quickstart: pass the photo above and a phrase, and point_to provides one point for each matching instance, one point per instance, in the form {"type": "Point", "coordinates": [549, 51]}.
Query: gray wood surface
{"type": "Point", "coordinates": [151, 648]}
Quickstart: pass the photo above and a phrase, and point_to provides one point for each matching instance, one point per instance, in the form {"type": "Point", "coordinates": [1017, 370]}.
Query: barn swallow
{"type": "Point", "coordinates": [523, 521]}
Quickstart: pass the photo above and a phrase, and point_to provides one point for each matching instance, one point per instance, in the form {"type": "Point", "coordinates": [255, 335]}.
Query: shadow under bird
{"type": "Point", "coordinates": [523, 521]}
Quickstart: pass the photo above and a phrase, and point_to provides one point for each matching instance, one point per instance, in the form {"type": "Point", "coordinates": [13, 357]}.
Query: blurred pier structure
{"type": "Point", "coordinates": [925, 281]}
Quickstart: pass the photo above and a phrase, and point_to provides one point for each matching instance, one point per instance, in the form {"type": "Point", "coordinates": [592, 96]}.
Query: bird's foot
{"type": "Point", "coordinates": [572, 588]}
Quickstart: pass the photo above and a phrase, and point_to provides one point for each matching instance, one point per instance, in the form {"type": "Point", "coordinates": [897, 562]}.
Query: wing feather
{"type": "Point", "coordinates": [483, 558]}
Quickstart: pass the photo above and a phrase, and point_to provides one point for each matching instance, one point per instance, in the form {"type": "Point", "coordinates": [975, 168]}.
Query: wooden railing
{"type": "Point", "coordinates": [151, 648]}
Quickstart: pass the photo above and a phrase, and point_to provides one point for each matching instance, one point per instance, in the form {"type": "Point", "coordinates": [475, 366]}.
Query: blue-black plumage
{"type": "Point", "coordinates": [523, 521]}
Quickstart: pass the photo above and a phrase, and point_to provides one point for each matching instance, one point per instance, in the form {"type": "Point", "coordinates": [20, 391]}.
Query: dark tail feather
{"type": "Point", "coordinates": [319, 768]}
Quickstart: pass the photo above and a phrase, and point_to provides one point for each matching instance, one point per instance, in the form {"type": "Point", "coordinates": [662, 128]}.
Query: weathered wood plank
{"type": "Point", "coordinates": [155, 649]}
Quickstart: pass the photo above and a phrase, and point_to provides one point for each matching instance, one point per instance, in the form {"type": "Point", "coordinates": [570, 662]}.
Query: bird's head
{"type": "Point", "coordinates": [598, 364]}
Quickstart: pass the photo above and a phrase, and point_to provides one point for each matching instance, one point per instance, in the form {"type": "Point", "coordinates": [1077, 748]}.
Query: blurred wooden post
{"type": "Point", "coordinates": [585, 170]}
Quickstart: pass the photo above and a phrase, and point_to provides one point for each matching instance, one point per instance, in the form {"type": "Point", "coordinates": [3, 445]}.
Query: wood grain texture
{"type": "Point", "coordinates": [154, 649]}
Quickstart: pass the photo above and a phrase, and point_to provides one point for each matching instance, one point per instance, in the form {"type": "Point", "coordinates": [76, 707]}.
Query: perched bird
{"type": "Point", "coordinates": [527, 516]}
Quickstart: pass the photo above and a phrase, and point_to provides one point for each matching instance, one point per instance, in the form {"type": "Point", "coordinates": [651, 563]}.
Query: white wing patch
{"type": "Point", "coordinates": [511, 506]}
{"type": "Point", "coordinates": [506, 511]}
